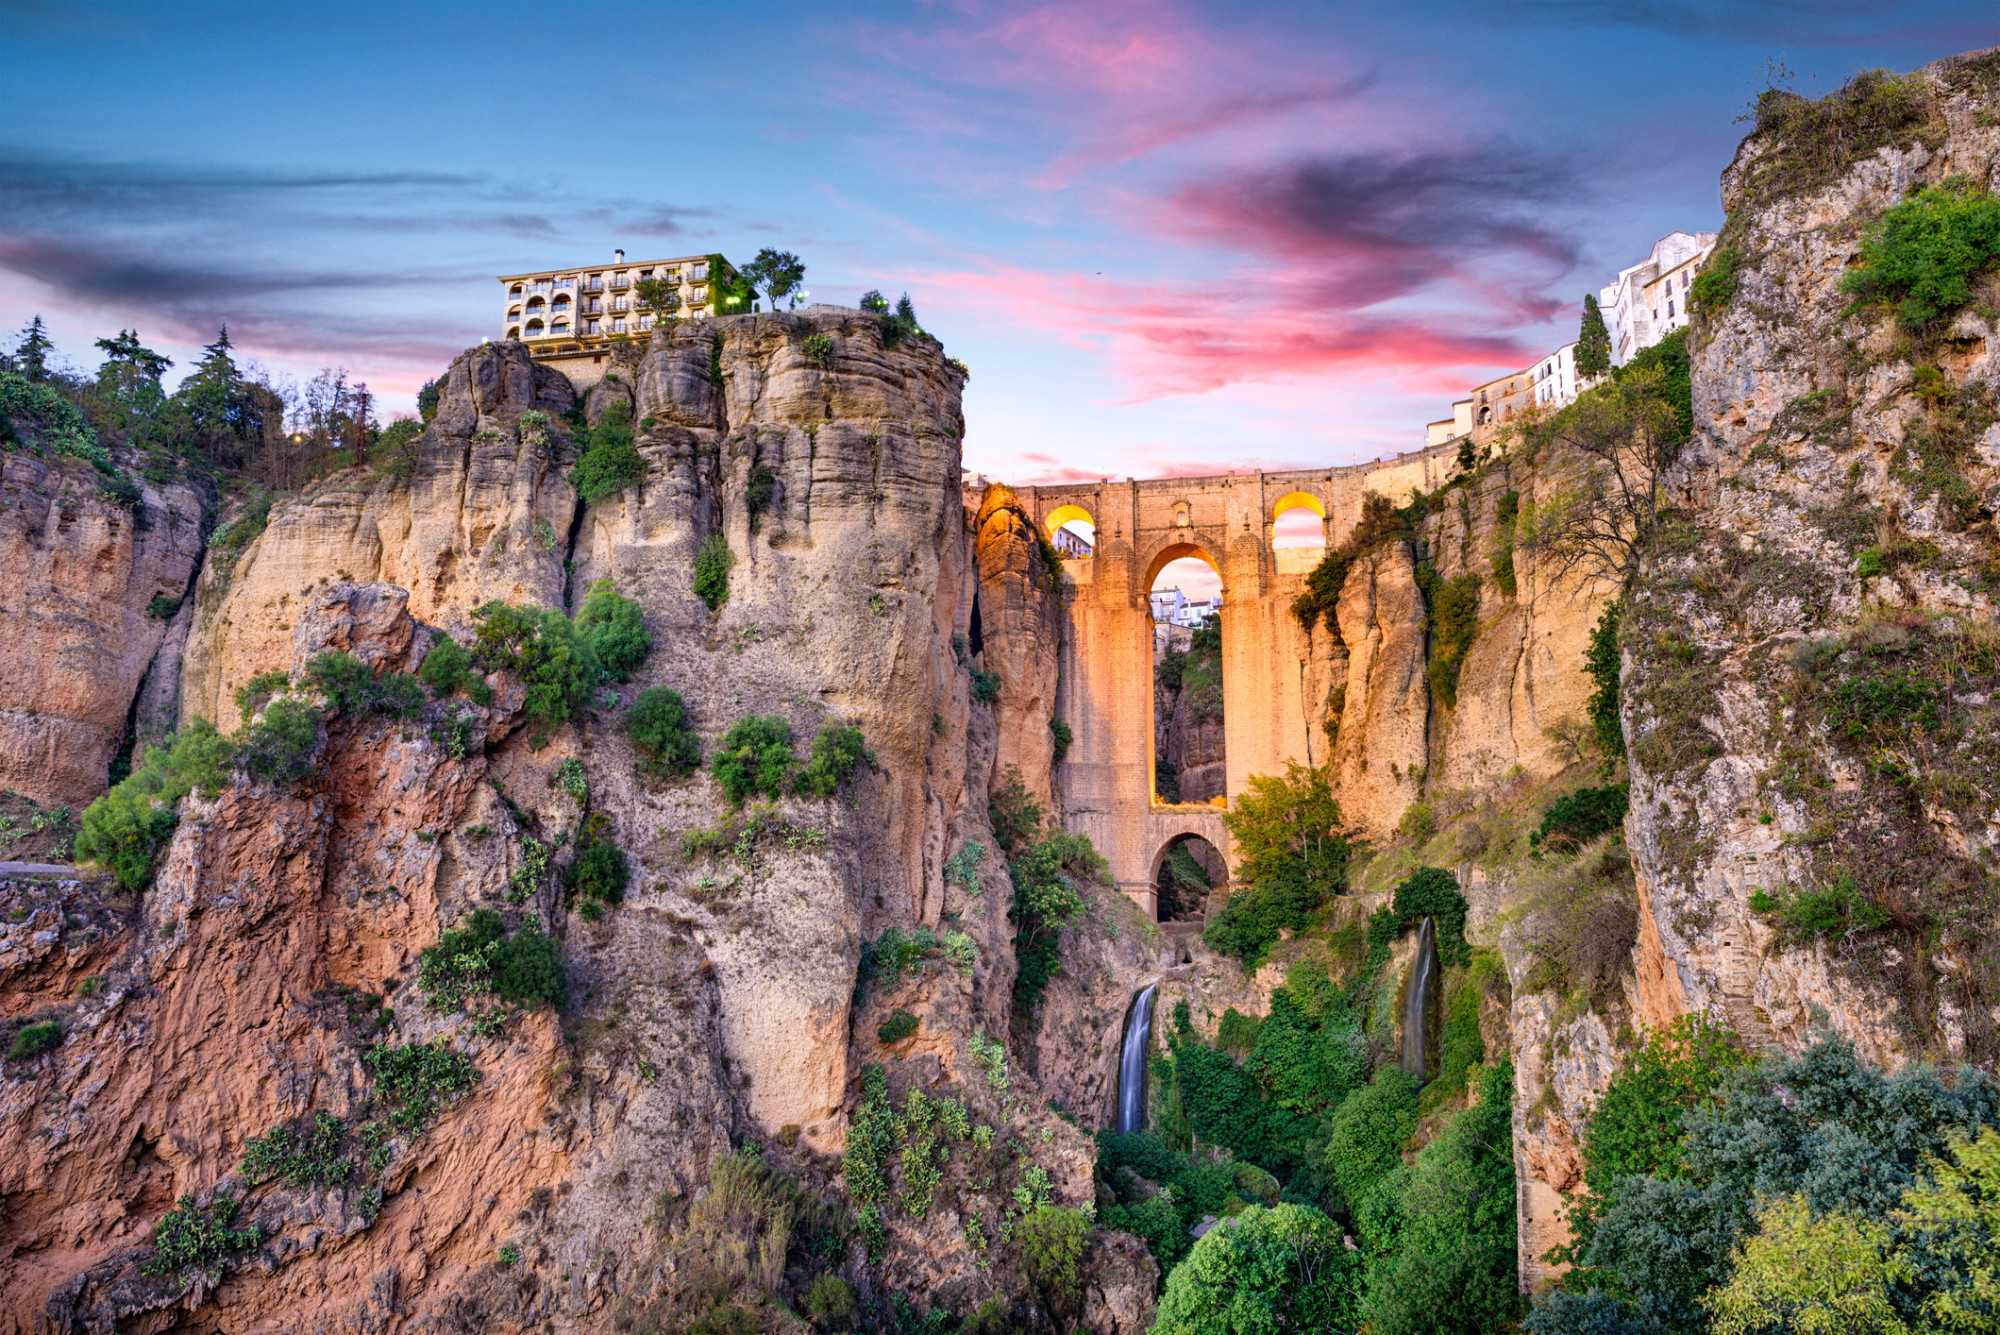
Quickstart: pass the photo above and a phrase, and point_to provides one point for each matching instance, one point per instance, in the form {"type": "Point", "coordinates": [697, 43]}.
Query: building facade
{"type": "Point", "coordinates": [1555, 379]}
{"type": "Point", "coordinates": [1649, 300]}
{"type": "Point", "coordinates": [571, 316]}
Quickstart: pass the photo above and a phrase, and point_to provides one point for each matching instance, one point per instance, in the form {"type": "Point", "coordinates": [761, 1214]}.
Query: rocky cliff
{"type": "Point", "coordinates": [1809, 657]}
{"type": "Point", "coordinates": [726, 1001]}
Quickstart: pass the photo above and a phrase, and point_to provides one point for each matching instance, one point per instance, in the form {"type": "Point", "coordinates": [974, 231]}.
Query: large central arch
{"type": "Point", "coordinates": [1270, 699]}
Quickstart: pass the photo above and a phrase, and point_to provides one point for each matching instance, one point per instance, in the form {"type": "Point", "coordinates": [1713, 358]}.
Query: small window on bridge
{"type": "Point", "coordinates": [1072, 532]}
{"type": "Point", "coordinates": [1298, 520]}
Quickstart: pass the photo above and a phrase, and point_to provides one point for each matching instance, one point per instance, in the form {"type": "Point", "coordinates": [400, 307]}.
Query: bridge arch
{"type": "Point", "coordinates": [1187, 871]}
{"type": "Point", "coordinates": [1181, 548]}
{"type": "Point", "coordinates": [1071, 530]}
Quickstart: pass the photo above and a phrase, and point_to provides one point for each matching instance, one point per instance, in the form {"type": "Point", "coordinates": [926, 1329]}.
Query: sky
{"type": "Point", "coordinates": [1166, 238]}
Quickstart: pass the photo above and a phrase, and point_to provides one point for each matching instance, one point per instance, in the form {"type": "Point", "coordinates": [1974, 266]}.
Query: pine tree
{"type": "Point", "coordinates": [31, 358]}
{"type": "Point", "coordinates": [128, 391]}
{"type": "Point", "coordinates": [1593, 341]}
{"type": "Point", "coordinates": [216, 399]}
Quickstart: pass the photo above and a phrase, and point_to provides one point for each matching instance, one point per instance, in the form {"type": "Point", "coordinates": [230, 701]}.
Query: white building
{"type": "Point", "coordinates": [1649, 300]}
{"type": "Point", "coordinates": [1555, 378]}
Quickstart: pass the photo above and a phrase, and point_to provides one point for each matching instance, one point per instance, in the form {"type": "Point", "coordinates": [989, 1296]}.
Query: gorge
{"type": "Point", "coordinates": [731, 901]}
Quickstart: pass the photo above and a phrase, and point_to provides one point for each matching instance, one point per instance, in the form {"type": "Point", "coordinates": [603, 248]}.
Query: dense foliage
{"type": "Point", "coordinates": [837, 751]}
{"type": "Point", "coordinates": [278, 748]}
{"type": "Point", "coordinates": [448, 670]}
{"type": "Point", "coordinates": [1574, 819]}
{"type": "Point", "coordinates": [615, 629]}
{"type": "Point", "coordinates": [661, 733]}
{"type": "Point", "coordinates": [754, 758]}
{"type": "Point", "coordinates": [1291, 857]}
{"type": "Point", "coordinates": [125, 830]}
{"type": "Point", "coordinates": [1603, 665]}
{"type": "Point", "coordinates": [610, 461]}
{"type": "Point", "coordinates": [711, 571]}
{"type": "Point", "coordinates": [540, 647]}
{"type": "Point", "coordinates": [1694, 1158]}
{"type": "Point", "coordinates": [1924, 255]}
{"type": "Point", "coordinates": [1281, 1269]}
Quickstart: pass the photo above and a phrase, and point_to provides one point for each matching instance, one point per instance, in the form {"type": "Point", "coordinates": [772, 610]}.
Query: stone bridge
{"type": "Point", "coordinates": [1270, 709]}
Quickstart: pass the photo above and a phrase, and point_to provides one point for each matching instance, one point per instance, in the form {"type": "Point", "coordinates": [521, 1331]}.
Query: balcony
{"type": "Point", "coordinates": [620, 284]}
{"type": "Point", "coordinates": [594, 285]}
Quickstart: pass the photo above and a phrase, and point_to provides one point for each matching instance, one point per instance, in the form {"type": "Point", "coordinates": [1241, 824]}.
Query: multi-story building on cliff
{"type": "Point", "coordinates": [1555, 377]}
{"type": "Point", "coordinates": [1649, 300]}
{"type": "Point", "coordinates": [571, 316]}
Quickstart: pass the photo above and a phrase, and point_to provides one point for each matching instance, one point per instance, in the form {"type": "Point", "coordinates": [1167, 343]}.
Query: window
{"type": "Point", "coordinates": [1670, 308]}
{"type": "Point", "coordinates": [701, 273]}
{"type": "Point", "coordinates": [617, 326]}
{"type": "Point", "coordinates": [645, 322]}
{"type": "Point", "coordinates": [590, 326]}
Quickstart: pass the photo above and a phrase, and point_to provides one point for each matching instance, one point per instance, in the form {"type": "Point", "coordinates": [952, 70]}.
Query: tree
{"type": "Point", "coordinates": [1822, 1275]}
{"type": "Point", "coordinates": [660, 298]}
{"type": "Point", "coordinates": [1627, 432]}
{"type": "Point", "coordinates": [427, 399]}
{"type": "Point", "coordinates": [779, 272]}
{"type": "Point", "coordinates": [128, 383]}
{"type": "Point", "coordinates": [874, 302]}
{"type": "Point", "coordinates": [219, 413]}
{"type": "Point", "coordinates": [1593, 341]}
{"type": "Point", "coordinates": [1266, 1270]}
{"type": "Point", "coordinates": [31, 356]}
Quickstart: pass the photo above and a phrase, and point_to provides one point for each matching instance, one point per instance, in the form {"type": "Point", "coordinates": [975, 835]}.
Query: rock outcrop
{"type": "Point", "coordinates": [90, 591]}
{"type": "Point", "coordinates": [1808, 691]}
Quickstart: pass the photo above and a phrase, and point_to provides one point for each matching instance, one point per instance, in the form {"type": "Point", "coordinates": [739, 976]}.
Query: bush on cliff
{"type": "Point", "coordinates": [610, 461]}
{"type": "Point", "coordinates": [540, 647]}
{"type": "Point", "coordinates": [1291, 857]}
{"type": "Point", "coordinates": [125, 830]}
{"type": "Point", "coordinates": [754, 758]}
{"type": "Point", "coordinates": [355, 689]}
{"type": "Point", "coordinates": [711, 571]}
{"type": "Point", "coordinates": [657, 726]}
{"type": "Point", "coordinates": [1923, 255]}
{"type": "Point", "coordinates": [837, 752]}
{"type": "Point", "coordinates": [448, 671]}
{"type": "Point", "coordinates": [615, 629]}
{"type": "Point", "coordinates": [278, 747]}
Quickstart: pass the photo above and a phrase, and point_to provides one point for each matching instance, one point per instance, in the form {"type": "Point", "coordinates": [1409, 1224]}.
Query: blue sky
{"type": "Point", "coordinates": [1166, 238]}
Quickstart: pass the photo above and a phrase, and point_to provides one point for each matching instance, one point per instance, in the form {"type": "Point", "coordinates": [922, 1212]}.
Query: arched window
{"type": "Point", "coordinates": [534, 329]}
{"type": "Point", "coordinates": [1298, 520]}
{"type": "Point", "coordinates": [1184, 598]}
{"type": "Point", "coordinates": [514, 291]}
{"type": "Point", "coordinates": [1072, 532]}
{"type": "Point", "coordinates": [514, 331]}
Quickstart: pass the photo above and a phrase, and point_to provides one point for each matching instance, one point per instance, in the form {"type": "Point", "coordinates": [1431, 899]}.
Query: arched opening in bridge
{"type": "Point", "coordinates": [1185, 874]}
{"type": "Point", "coordinates": [1298, 532]}
{"type": "Point", "coordinates": [1072, 531]}
{"type": "Point", "coordinates": [1185, 598]}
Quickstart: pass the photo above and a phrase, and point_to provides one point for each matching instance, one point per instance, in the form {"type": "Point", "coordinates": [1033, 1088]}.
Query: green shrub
{"type": "Point", "coordinates": [192, 1239]}
{"type": "Point", "coordinates": [598, 876]}
{"type": "Point", "coordinates": [304, 1156]}
{"type": "Point", "coordinates": [540, 647]}
{"type": "Point", "coordinates": [1715, 286]}
{"type": "Point", "coordinates": [962, 868]}
{"type": "Point", "coordinates": [448, 670]}
{"type": "Point", "coordinates": [1013, 812]}
{"type": "Point", "coordinates": [830, 1303]}
{"type": "Point", "coordinates": [394, 453]}
{"type": "Point", "coordinates": [1308, 1064]}
{"type": "Point", "coordinates": [615, 629]}
{"type": "Point", "coordinates": [254, 694]}
{"type": "Point", "coordinates": [1460, 1044]}
{"type": "Point", "coordinates": [658, 728]}
{"type": "Point", "coordinates": [1637, 1127]}
{"type": "Point", "coordinates": [1061, 738]}
{"type": "Point", "coordinates": [528, 969]}
{"type": "Point", "coordinates": [1601, 663]}
{"type": "Point", "coordinates": [126, 829]}
{"type": "Point", "coordinates": [1822, 913]}
{"type": "Point", "coordinates": [1506, 515]}
{"type": "Point", "coordinates": [351, 687]}
{"type": "Point", "coordinates": [1924, 254]}
{"type": "Point", "coordinates": [1052, 1240]}
{"type": "Point", "coordinates": [1281, 1269]}
{"type": "Point", "coordinates": [610, 461]}
{"type": "Point", "coordinates": [228, 542]}
{"type": "Point", "coordinates": [818, 349]}
{"type": "Point", "coordinates": [836, 753]}
{"type": "Point", "coordinates": [1046, 900]}
{"type": "Point", "coordinates": [711, 571]}
{"type": "Point", "coordinates": [461, 961]}
{"type": "Point", "coordinates": [889, 956]}
{"type": "Point", "coordinates": [1291, 858]}
{"type": "Point", "coordinates": [32, 1040]}
{"type": "Point", "coordinates": [754, 758]}
{"type": "Point", "coordinates": [985, 686]}
{"type": "Point", "coordinates": [162, 608]}
{"type": "Point", "coordinates": [899, 1026]}
{"type": "Point", "coordinates": [1574, 819]}
{"type": "Point", "coordinates": [1454, 610]}
{"type": "Point", "coordinates": [758, 493]}
{"type": "Point", "coordinates": [415, 1081]}
{"type": "Point", "coordinates": [278, 747]}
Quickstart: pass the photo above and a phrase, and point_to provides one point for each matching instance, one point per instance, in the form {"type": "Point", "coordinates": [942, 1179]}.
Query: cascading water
{"type": "Point", "coordinates": [1132, 1062]}
{"type": "Point", "coordinates": [1417, 1002]}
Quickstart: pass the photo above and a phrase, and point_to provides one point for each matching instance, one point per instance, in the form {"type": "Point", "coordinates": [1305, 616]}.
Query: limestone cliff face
{"type": "Point", "coordinates": [720, 1003]}
{"type": "Point", "coordinates": [486, 514]}
{"type": "Point", "coordinates": [1384, 707]}
{"type": "Point", "coordinates": [1840, 496]}
{"type": "Point", "coordinates": [82, 626]}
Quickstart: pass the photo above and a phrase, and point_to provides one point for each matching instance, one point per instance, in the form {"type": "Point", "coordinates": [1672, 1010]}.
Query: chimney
{"type": "Point", "coordinates": [618, 256]}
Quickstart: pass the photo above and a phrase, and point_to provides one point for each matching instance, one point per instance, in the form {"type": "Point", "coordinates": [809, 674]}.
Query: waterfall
{"type": "Point", "coordinates": [1417, 1002]}
{"type": "Point", "coordinates": [1131, 1115]}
